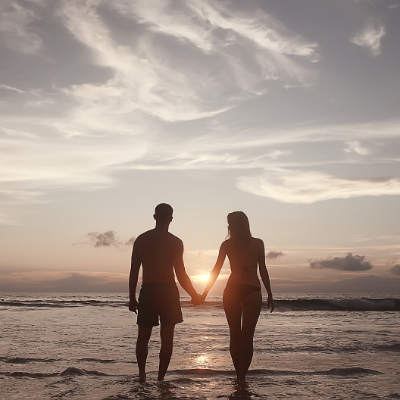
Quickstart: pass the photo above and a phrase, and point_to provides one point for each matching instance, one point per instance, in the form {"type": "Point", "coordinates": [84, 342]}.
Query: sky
{"type": "Point", "coordinates": [288, 111]}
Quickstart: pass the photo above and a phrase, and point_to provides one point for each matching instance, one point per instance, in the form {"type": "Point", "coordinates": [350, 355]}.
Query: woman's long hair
{"type": "Point", "coordinates": [239, 227]}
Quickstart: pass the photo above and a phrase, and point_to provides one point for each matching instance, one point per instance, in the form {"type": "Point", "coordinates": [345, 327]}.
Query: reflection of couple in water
{"type": "Point", "coordinates": [160, 253]}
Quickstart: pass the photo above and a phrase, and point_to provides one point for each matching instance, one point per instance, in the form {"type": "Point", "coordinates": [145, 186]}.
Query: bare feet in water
{"type": "Point", "coordinates": [142, 377]}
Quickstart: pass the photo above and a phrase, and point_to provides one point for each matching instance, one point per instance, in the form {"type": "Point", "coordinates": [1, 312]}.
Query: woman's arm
{"type": "Point", "coordinates": [264, 275]}
{"type": "Point", "coordinates": [216, 270]}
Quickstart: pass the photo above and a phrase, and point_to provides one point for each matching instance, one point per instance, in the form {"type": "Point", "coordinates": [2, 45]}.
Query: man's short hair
{"type": "Point", "coordinates": [163, 212]}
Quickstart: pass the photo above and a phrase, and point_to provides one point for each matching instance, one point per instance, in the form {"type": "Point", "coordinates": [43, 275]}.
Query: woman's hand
{"type": "Point", "coordinates": [270, 303]}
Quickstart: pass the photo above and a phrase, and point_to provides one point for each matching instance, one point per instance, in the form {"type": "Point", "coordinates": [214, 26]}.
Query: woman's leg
{"type": "Point", "coordinates": [233, 312]}
{"type": "Point", "coordinates": [251, 311]}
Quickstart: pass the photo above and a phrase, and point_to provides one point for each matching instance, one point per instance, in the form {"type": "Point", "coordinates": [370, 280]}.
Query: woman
{"type": "Point", "coordinates": [242, 296]}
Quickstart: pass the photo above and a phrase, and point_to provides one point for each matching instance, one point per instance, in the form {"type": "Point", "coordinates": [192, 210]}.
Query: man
{"type": "Point", "coordinates": [160, 253]}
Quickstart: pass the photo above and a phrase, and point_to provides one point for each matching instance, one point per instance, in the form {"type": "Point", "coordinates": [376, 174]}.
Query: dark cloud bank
{"type": "Point", "coordinates": [273, 255]}
{"type": "Point", "coordinates": [395, 270]}
{"type": "Point", "coordinates": [347, 263]}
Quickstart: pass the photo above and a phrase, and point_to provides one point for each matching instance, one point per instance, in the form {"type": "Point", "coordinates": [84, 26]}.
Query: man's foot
{"type": "Point", "coordinates": [160, 378]}
{"type": "Point", "coordinates": [142, 377]}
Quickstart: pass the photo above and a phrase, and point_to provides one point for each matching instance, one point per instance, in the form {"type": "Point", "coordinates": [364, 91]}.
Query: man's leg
{"type": "Point", "coordinates": [142, 346]}
{"type": "Point", "coordinates": [167, 343]}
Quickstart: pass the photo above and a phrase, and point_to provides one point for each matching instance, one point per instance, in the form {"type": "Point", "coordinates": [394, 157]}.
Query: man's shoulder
{"type": "Point", "coordinates": [175, 239]}
{"type": "Point", "coordinates": [143, 236]}
{"type": "Point", "coordinates": [148, 235]}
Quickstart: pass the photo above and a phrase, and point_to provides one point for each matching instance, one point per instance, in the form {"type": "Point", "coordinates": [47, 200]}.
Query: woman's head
{"type": "Point", "coordinates": [238, 225]}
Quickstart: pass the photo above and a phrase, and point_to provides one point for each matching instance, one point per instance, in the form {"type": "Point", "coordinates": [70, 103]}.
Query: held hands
{"type": "Point", "coordinates": [133, 305]}
{"type": "Point", "coordinates": [199, 299]}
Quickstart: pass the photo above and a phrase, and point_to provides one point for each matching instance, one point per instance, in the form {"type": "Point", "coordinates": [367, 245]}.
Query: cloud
{"type": "Point", "coordinates": [347, 263]}
{"type": "Point", "coordinates": [2, 86]}
{"type": "Point", "coordinates": [234, 148]}
{"type": "Point", "coordinates": [395, 270]}
{"type": "Point", "coordinates": [164, 81]}
{"type": "Point", "coordinates": [14, 26]}
{"type": "Point", "coordinates": [200, 20]}
{"type": "Point", "coordinates": [106, 239]}
{"type": "Point", "coordinates": [130, 241]}
{"type": "Point", "coordinates": [273, 255]}
{"type": "Point", "coordinates": [140, 70]}
{"type": "Point", "coordinates": [295, 186]}
{"type": "Point", "coordinates": [355, 147]}
{"type": "Point", "coordinates": [370, 37]}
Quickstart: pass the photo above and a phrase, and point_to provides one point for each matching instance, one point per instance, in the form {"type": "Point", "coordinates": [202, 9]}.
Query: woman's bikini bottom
{"type": "Point", "coordinates": [242, 290]}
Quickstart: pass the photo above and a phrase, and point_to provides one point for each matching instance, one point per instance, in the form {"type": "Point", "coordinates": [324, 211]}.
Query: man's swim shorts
{"type": "Point", "coordinates": [159, 300]}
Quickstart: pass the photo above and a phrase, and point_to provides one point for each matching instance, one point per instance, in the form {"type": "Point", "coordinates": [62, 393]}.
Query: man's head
{"type": "Point", "coordinates": [163, 213]}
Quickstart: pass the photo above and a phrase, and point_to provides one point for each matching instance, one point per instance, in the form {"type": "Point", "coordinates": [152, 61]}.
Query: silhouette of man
{"type": "Point", "coordinates": [160, 253]}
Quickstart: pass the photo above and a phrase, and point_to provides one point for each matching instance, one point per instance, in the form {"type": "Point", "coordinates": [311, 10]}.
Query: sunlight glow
{"type": "Point", "coordinates": [203, 277]}
{"type": "Point", "coordinates": [202, 361]}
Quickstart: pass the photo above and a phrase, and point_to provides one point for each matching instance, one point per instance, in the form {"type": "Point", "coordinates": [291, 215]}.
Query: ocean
{"type": "Point", "coordinates": [82, 346]}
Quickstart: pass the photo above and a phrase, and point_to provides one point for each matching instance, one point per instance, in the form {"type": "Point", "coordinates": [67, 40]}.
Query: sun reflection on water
{"type": "Point", "coordinates": [202, 361]}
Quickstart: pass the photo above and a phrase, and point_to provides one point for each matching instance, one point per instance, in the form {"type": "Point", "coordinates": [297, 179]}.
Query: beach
{"type": "Point", "coordinates": [81, 346]}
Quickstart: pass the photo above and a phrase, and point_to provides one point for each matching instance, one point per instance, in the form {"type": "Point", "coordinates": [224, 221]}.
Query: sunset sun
{"type": "Point", "coordinates": [203, 278]}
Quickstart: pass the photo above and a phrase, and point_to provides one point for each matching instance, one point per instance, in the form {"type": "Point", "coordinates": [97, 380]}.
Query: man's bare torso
{"type": "Point", "coordinates": [158, 251]}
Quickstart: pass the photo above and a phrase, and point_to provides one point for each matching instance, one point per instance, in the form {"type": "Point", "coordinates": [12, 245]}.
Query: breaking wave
{"type": "Point", "coordinates": [197, 372]}
{"type": "Point", "coordinates": [299, 304]}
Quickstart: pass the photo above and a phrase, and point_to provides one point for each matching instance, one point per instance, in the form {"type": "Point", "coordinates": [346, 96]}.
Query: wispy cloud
{"type": "Point", "coordinates": [296, 186]}
{"type": "Point", "coordinates": [347, 263]}
{"type": "Point", "coordinates": [14, 25]}
{"type": "Point", "coordinates": [356, 147]}
{"type": "Point", "coordinates": [149, 90]}
{"type": "Point", "coordinates": [209, 25]}
{"type": "Point", "coordinates": [11, 88]}
{"type": "Point", "coordinates": [175, 88]}
{"type": "Point", "coordinates": [370, 37]}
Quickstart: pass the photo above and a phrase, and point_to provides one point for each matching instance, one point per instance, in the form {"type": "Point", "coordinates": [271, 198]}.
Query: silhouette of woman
{"type": "Point", "coordinates": [242, 296]}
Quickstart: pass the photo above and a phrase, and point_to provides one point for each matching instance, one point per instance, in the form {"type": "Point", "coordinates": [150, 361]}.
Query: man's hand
{"type": "Point", "coordinates": [133, 305]}
{"type": "Point", "coordinates": [270, 303]}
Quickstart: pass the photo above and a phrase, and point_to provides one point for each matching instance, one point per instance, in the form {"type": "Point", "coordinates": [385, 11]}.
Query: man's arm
{"type": "Point", "coordinates": [264, 275]}
{"type": "Point", "coordinates": [133, 277]}
{"type": "Point", "coordinates": [182, 276]}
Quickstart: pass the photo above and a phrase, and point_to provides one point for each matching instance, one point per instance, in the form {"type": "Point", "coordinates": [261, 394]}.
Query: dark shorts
{"type": "Point", "coordinates": [159, 300]}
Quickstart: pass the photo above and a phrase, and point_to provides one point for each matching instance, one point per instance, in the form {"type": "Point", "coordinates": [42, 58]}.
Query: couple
{"type": "Point", "coordinates": [160, 253]}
